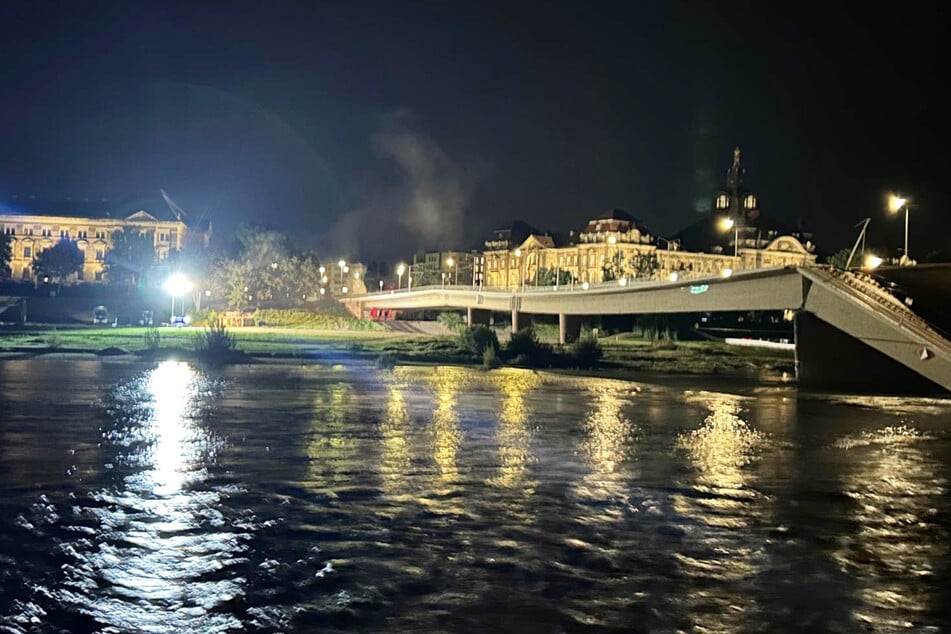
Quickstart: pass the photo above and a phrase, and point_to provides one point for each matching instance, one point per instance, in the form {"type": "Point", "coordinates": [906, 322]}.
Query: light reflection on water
{"type": "Point", "coordinates": [897, 489]}
{"type": "Point", "coordinates": [159, 537]}
{"type": "Point", "coordinates": [723, 508]}
{"type": "Point", "coordinates": [451, 499]}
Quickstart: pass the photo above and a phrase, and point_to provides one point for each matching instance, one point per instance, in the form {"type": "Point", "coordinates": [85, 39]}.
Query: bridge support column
{"type": "Point", "coordinates": [828, 358]}
{"type": "Point", "coordinates": [478, 316]}
{"type": "Point", "coordinates": [569, 328]}
{"type": "Point", "coordinates": [520, 320]}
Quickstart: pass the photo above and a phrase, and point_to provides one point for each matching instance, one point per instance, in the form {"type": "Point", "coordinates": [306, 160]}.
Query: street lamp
{"type": "Point", "coordinates": [381, 286]}
{"type": "Point", "coordinates": [725, 225]}
{"type": "Point", "coordinates": [518, 255]}
{"type": "Point", "coordinates": [451, 263]}
{"type": "Point", "coordinates": [895, 204]}
{"type": "Point", "coordinates": [400, 269]}
{"type": "Point", "coordinates": [177, 285]}
{"type": "Point", "coordinates": [340, 265]}
{"type": "Point", "coordinates": [872, 261]}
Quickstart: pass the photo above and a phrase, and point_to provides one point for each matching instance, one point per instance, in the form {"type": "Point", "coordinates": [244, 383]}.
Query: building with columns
{"type": "Point", "coordinates": [33, 226]}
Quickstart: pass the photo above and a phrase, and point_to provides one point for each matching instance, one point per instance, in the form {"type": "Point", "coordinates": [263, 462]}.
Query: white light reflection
{"type": "Point", "coordinates": [172, 388]}
{"type": "Point", "coordinates": [163, 558]}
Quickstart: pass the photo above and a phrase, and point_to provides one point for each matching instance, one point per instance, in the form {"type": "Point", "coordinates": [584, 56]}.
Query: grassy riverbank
{"type": "Point", "coordinates": [620, 353]}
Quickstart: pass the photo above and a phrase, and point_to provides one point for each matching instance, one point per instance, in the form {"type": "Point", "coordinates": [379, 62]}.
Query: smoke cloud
{"type": "Point", "coordinates": [423, 207]}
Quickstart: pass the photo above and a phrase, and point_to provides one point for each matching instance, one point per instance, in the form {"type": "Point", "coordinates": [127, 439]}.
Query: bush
{"type": "Point", "coordinates": [215, 343]}
{"type": "Point", "coordinates": [326, 318]}
{"type": "Point", "coordinates": [525, 349]}
{"type": "Point", "coordinates": [452, 321]}
{"type": "Point", "coordinates": [490, 358]}
{"type": "Point", "coordinates": [475, 340]}
{"type": "Point", "coordinates": [152, 338]}
{"type": "Point", "coordinates": [53, 339]}
{"type": "Point", "coordinates": [586, 352]}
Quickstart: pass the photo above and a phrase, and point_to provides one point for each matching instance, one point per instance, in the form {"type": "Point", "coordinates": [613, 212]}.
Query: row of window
{"type": "Point", "coordinates": [100, 253]}
{"type": "Point", "coordinates": [80, 235]}
{"type": "Point", "coordinates": [27, 274]}
{"type": "Point", "coordinates": [749, 202]}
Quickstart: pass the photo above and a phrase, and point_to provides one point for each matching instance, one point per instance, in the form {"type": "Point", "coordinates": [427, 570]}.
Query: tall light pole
{"type": "Point", "coordinates": [895, 204]}
{"type": "Point", "coordinates": [177, 285]}
{"type": "Point", "coordinates": [451, 263]}
{"type": "Point", "coordinates": [725, 225]}
{"type": "Point", "coordinates": [340, 265]}
{"type": "Point", "coordinates": [400, 269]}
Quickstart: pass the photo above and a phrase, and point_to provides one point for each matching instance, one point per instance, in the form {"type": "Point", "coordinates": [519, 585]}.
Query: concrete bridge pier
{"type": "Point", "coordinates": [478, 317]}
{"type": "Point", "coordinates": [520, 320]}
{"type": "Point", "coordinates": [569, 328]}
{"type": "Point", "coordinates": [829, 359]}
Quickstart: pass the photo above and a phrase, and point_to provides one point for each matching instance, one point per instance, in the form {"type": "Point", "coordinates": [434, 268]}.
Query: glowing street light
{"type": "Point", "coordinates": [177, 285]}
{"type": "Point", "coordinates": [674, 276]}
{"type": "Point", "coordinates": [451, 263]}
{"type": "Point", "coordinates": [727, 272]}
{"type": "Point", "coordinates": [342, 265]}
{"type": "Point", "coordinates": [872, 261]}
{"type": "Point", "coordinates": [725, 225]}
{"type": "Point", "coordinates": [381, 286]}
{"type": "Point", "coordinates": [400, 269]}
{"type": "Point", "coordinates": [895, 204]}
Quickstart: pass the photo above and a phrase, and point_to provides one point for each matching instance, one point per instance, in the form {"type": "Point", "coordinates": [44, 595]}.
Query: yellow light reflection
{"type": "Point", "coordinates": [608, 430]}
{"type": "Point", "coordinates": [331, 449]}
{"type": "Point", "coordinates": [723, 550]}
{"type": "Point", "coordinates": [172, 388]}
{"type": "Point", "coordinates": [513, 433]}
{"type": "Point", "coordinates": [897, 488]}
{"type": "Point", "coordinates": [395, 454]}
{"type": "Point", "coordinates": [445, 383]}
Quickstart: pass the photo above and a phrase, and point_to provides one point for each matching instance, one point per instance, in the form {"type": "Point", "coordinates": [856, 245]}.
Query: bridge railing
{"type": "Point", "coordinates": [866, 289]}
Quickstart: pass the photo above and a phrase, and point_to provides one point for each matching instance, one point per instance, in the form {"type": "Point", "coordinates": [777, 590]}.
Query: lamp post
{"type": "Point", "coordinates": [725, 225]}
{"type": "Point", "coordinates": [177, 285]}
{"type": "Point", "coordinates": [518, 256]}
{"type": "Point", "coordinates": [895, 204]}
{"type": "Point", "coordinates": [400, 269]}
{"type": "Point", "coordinates": [340, 265]}
{"type": "Point", "coordinates": [451, 263]}
{"type": "Point", "coordinates": [381, 286]}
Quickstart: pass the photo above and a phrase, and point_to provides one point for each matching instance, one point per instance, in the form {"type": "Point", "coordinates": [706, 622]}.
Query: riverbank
{"type": "Point", "coordinates": [623, 355]}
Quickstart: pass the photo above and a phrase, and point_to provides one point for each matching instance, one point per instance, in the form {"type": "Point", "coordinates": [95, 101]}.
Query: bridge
{"type": "Point", "coordinates": [850, 331]}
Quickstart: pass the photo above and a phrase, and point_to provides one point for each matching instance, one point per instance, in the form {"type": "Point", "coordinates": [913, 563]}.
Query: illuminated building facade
{"type": "Point", "coordinates": [32, 227]}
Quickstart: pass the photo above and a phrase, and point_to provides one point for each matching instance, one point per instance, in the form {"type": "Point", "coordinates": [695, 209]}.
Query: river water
{"type": "Point", "coordinates": [285, 498]}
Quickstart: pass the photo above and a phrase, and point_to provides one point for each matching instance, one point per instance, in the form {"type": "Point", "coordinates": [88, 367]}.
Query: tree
{"type": "Point", "coordinates": [6, 255]}
{"type": "Point", "coordinates": [645, 265]}
{"type": "Point", "coordinates": [130, 256]}
{"type": "Point", "coordinates": [839, 259]}
{"type": "Point", "coordinates": [547, 277]}
{"type": "Point", "coordinates": [59, 261]}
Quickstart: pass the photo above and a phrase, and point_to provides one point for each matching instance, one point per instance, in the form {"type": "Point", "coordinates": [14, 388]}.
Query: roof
{"type": "Point", "coordinates": [98, 208]}
{"type": "Point", "coordinates": [612, 220]}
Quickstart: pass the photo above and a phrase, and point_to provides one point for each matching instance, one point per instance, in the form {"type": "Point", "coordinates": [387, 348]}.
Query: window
{"type": "Point", "coordinates": [98, 276]}
{"type": "Point", "coordinates": [750, 202]}
{"type": "Point", "coordinates": [100, 235]}
{"type": "Point", "coordinates": [26, 273]}
{"type": "Point", "coordinates": [63, 233]}
{"type": "Point", "coordinates": [80, 275]}
{"type": "Point", "coordinates": [82, 234]}
{"type": "Point", "coordinates": [723, 201]}
{"type": "Point", "coordinates": [27, 252]}
{"type": "Point", "coordinates": [99, 254]}
{"type": "Point", "coordinates": [46, 233]}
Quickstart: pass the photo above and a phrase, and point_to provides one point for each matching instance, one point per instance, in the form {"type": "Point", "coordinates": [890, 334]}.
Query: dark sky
{"type": "Point", "coordinates": [372, 129]}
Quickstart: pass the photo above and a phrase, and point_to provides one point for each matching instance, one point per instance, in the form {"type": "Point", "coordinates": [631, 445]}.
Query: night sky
{"type": "Point", "coordinates": [374, 129]}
